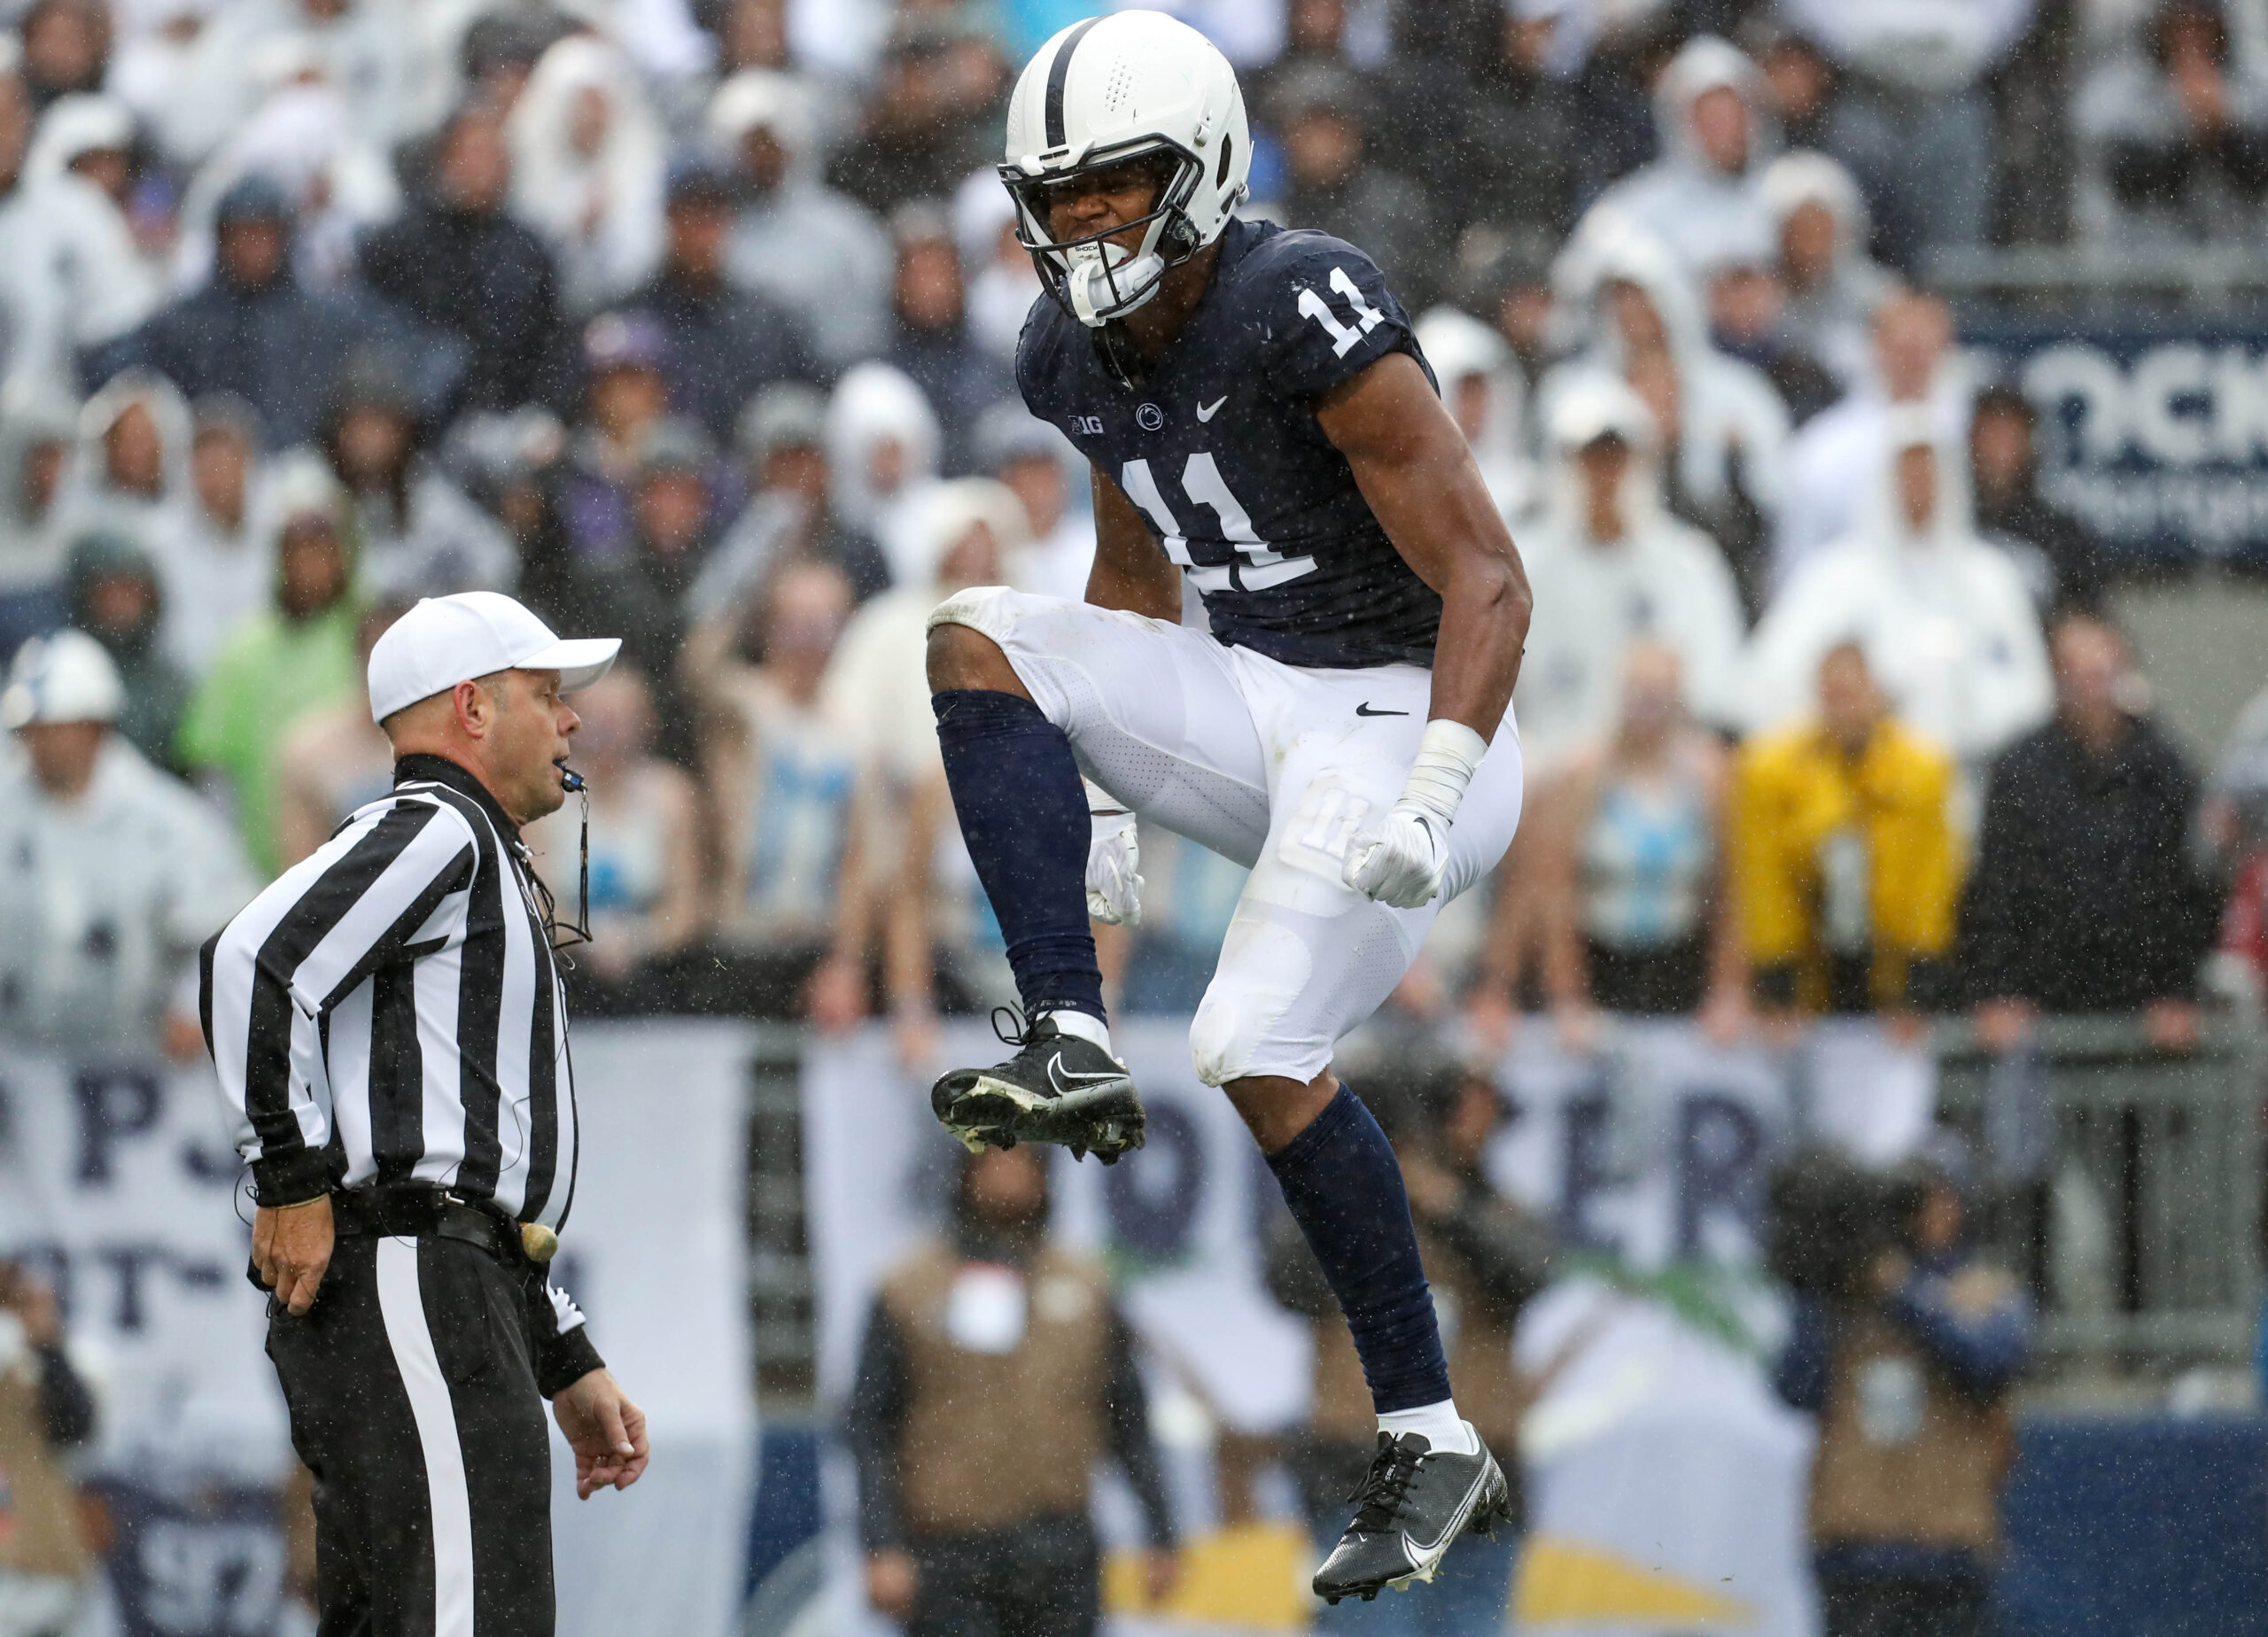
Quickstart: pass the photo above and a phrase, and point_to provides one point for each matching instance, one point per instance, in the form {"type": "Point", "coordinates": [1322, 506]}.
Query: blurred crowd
{"type": "Point", "coordinates": [692, 320]}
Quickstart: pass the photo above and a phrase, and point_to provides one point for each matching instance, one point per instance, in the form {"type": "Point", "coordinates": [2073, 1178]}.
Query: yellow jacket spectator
{"type": "Point", "coordinates": [1846, 864]}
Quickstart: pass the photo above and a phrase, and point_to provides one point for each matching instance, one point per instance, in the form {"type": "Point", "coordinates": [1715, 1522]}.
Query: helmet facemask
{"type": "Point", "coordinates": [1094, 278]}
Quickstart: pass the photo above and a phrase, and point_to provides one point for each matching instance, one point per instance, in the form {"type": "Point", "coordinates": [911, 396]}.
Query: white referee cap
{"type": "Point", "coordinates": [66, 677]}
{"type": "Point", "coordinates": [445, 641]}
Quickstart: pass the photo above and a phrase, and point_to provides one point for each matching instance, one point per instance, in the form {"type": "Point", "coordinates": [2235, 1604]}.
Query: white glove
{"type": "Point", "coordinates": [1113, 857]}
{"type": "Point", "coordinates": [1400, 863]}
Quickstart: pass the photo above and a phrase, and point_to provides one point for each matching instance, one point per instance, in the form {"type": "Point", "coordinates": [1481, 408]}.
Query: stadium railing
{"type": "Point", "coordinates": [2125, 1182]}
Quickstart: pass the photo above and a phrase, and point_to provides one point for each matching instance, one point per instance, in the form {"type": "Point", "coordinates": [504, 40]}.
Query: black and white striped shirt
{"type": "Point", "coordinates": [389, 1010]}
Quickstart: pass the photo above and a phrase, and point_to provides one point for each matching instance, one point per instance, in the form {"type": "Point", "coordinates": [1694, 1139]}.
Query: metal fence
{"type": "Point", "coordinates": [2135, 1212]}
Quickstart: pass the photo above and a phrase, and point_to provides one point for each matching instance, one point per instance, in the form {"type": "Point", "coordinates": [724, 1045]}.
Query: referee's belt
{"type": "Point", "coordinates": [430, 1213]}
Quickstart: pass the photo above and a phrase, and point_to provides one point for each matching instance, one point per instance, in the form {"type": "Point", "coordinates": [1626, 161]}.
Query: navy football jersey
{"type": "Point", "coordinates": [1217, 445]}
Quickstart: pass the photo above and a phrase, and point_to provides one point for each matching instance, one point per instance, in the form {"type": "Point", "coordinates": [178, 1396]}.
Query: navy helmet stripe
{"type": "Point", "coordinates": [1058, 71]}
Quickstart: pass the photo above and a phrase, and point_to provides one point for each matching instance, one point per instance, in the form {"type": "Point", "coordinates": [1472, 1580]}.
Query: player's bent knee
{"type": "Point", "coordinates": [963, 656]}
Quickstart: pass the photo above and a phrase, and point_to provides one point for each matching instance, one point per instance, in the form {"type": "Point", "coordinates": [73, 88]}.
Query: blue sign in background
{"type": "Point", "coordinates": [2154, 438]}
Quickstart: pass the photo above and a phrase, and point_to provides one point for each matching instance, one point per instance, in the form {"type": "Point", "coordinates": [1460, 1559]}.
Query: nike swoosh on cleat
{"type": "Point", "coordinates": [1364, 710]}
{"type": "Point", "coordinates": [1206, 411]}
{"type": "Point", "coordinates": [1056, 1077]}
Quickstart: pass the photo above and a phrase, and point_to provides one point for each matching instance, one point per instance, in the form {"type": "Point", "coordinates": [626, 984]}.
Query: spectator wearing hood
{"type": "Point", "coordinates": [1835, 463]}
{"type": "Point", "coordinates": [1718, 137]}
{"type": "Point", "coordinates": [929, 342]}
{"type": "Point", "coordinates": [721, 345]}
{"type": "Point", "coordinates": [1723, 428]}
{"type": "Point", "coordinates": [93, 138]}
{"type": "Point", "coordinates": [1945, 621]}
{"type": "Point", "coordinates": [1611, 54]}
{"type": "Point", "coordinates": [1616, 569]}
{"type": "Point", "coordinates": [2174, 134]}
{"type": "Point", "coordinates": [642, 590]}
{"type": "Point", "coordinates": [791, 516]}
{"type": "Point", "coordinates": [1481, 383]}
{"type": "Point", "coordinates": [1746, 303]}
{"type": "Point", "coordinates": [997, 269]}
{"type": "Point", "coordinates": [814, 251]}
{"type": "Point", "coordinates": [295, 656]}
{"type": "Point", "coordinates": [2086, 895]}
{"type": "Point", "coordinates": [419, 534]}
{"type": "Point", "coordinates": [934, 115]}
{"type": "Point", "coordinates": [35, 446]}
{"type": "Point", "coordinates": [882, 447]}
{"type": "Point", "coordinates": [255, 332]}
{"type": "Point", "coordinates": [1831, 285]}
{"type": "Point", "coordinates": [1912, 115]}
{"type": "Point", "coordinates": [458, 261]}
{"type": "Point", "coordinates": [626, 394]}
{"type": "Point", "coordinates": [117, 599]}
{"type": "Point", "coordinates": [334, 759]}
{"type": "Point", "coordinates": [2064, 566]}
{"type": "Point", "coordinates": [71, 274]}
{"type": "Point", "coordinates": [1522, 155]}
{"type": "Point", "coordinates": [302, 135]}
{"type": "Point", "coordinates": [1337, 184]}
{"type": "Point", "coordinates": [112, 872]}
{"type": "Point", "coordinates": [1504, 278]}
{"type": "Point", "coordinates": [211, 555]}
{"type": "Point", "coordinates": [130, 474]}
{"type": "Point", "coordinates": [587, 159]}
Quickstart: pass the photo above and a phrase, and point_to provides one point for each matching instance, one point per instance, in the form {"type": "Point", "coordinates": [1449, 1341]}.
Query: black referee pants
{"type": "Point", "coordinates": [414, 1403]}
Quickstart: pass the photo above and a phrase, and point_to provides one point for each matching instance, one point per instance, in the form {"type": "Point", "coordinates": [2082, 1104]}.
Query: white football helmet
{"type": "Point", "coordinates": [1125, 88]}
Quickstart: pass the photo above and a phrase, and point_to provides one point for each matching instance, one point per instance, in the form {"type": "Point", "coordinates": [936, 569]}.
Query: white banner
{"type": "Point", "coordinates": [656, 1251]}
{"type": "Point", "coordinates": [120, 1190]}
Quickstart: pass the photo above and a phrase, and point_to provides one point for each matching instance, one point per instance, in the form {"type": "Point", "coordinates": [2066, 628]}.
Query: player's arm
{"type": "Point", "coordinates": [1131, 570]}
{"type": "Point", "coordinates": [1414, 468]}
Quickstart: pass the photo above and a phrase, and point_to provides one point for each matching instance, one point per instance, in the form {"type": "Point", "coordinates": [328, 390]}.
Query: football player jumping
{"type": "Point", "coordinates": [1259, 419]}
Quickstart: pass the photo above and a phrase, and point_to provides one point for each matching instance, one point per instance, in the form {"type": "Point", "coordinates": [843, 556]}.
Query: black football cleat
{"type": "Point", "coordinates": [1058, 1087]}
{"type": "Point", "coordinates": [1410, 1508]}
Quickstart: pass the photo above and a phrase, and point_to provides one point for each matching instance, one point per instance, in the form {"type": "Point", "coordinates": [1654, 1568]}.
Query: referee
{"type": "Point", "coordinates": [389, 1019]}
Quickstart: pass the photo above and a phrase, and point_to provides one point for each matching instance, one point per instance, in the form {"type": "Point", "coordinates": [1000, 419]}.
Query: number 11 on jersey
{"type": "Point", "coordinates": [1202, 481]}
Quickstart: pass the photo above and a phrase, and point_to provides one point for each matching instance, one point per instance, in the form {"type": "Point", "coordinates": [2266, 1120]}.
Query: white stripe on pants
{"type": "Point", "coordinates": [403, 1306]}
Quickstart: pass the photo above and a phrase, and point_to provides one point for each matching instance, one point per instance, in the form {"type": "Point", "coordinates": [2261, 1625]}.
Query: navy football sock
{"type": "Point", "coordinates": [1023, 814]}
{"type": "Point", "coordinates": [1343, 1185]}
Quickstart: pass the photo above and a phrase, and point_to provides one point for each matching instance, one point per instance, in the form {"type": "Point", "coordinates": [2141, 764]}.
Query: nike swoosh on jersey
{"type": "Point", "coordinates": [1056, 1077]}
{"type": "Point", "coordinates": [1206, 411]}
{"type": "Point", "coordinates": [1364, 710]}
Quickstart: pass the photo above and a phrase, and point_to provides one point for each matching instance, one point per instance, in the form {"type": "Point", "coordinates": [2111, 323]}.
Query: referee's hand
{"type": "Point", "coordinates": [291, 1246]}
{"type": "Point", "coordinates": [605, 1430]}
